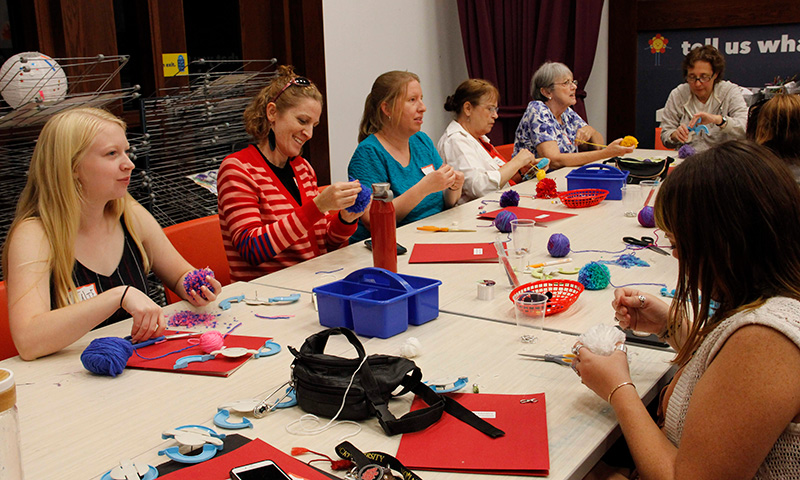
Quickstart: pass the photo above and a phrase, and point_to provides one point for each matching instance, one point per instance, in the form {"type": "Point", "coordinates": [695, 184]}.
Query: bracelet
{"type": "Point", "coordinates": [617, 388]}
{"type": "Point", "coordinates": [122, 298]}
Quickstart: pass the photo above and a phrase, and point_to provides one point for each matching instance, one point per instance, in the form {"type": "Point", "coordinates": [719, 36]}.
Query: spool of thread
{"type": "Point", "coordinates": [362, 201]}
{"type": "Point", "coordinates": [509, 199]}
{"type": "Point", "coordinates": [594, 276]}
{"type": "Point", "coordinates": [503, 221]}
{"type": "Point", "coordinates": [647, 217]}
{"type": "Point", "coordinates": [211, 340]}
{"type": "Point", "coordinates": [107, 356]}
{"type": "Point", "coordinates": [486, 290]}
{"type": "Point", "coordinates": [558, 245]}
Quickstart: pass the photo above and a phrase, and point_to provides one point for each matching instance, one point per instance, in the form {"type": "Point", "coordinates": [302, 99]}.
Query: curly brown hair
{"type": "Point", "coordinates": [256, 122]}
{"type": "Point", "coordinates": [706, 53]}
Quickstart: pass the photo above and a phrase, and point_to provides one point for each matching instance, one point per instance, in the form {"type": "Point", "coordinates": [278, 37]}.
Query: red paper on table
{"type": "Point", "coordinates": [453, 253]}
{"type": "Point", "coordinates": [452, 445]}
{"type": "Point", "coordinates": [539, 216]}
{"type": "Point", "coordinates": [219, 366]}
{"type": "Point", "coordinates": [219, 467]}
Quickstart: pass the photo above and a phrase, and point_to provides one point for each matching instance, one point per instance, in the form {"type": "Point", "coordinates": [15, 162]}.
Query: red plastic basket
{"type": "Point", "coordinates": [586, 197]}
{"type": "Point", "coordinates": [565, 293]}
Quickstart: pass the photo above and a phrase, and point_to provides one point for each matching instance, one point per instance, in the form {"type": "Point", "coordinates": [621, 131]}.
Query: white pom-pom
{"type": "Point", "coordinates": [601, 339]}
{"type": "Point", "coordinates": [411, 348]}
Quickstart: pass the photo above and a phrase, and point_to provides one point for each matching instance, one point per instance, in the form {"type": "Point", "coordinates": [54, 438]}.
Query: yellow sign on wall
{"type": "Point", "coordinates": [174, 64]}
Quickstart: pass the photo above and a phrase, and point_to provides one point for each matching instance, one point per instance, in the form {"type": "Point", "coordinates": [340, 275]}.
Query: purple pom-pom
{"type": "Point", "coordinates": [558, 245]}
{"type": "Point", "coordinates": [647, 217]}
{"type": "Point", "coordinates": [196, 279]}
{"type": "Point", "coordinates": [503, 221]}
{"type": "Point", "coordinates": [509, 199]}
{"type": "Point", "coordinates": [686, 151]}
{"type": "Point", "coordinates": [362, 201]}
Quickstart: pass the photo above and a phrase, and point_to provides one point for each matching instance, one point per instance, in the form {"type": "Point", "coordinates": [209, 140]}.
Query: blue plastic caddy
{"type": "Point", "coordinates": [375, 302]}
{"type": "Point", "coordinates": [598, 175]}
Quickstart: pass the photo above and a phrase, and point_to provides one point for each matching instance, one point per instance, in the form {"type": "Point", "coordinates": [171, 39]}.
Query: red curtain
{"type": "Point", "coordinates": [505, 41]}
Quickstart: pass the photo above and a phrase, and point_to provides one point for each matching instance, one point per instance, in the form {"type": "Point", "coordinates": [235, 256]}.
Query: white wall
{"type": "Point", "coordinates": [364, 38]}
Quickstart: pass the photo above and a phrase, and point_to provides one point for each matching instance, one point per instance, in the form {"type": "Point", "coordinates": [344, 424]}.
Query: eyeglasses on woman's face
{"type": "Point", "coordinates": [491, 108]}
{"type": "Point", "coordinates": [299, 81]}
{"type": "Point", "coordinates": [567, 83]}
{"type": "Point", "coordinates": [704, 78]}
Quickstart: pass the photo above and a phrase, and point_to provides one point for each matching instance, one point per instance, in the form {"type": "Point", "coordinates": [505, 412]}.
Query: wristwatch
{"type": "Point", "coordinates": [723, 122]}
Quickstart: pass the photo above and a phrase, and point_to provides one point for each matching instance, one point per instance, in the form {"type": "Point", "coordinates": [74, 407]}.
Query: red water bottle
{"type": "Point", "coordinates": [383, 226]}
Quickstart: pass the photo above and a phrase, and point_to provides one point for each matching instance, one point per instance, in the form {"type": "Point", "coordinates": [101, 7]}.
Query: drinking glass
{"type": "Point", "coordinates": [521, 242]}
{"type": "Point", "coordinates": [632, 200]}
{"type": "Point", "coordinates": [529, 310]}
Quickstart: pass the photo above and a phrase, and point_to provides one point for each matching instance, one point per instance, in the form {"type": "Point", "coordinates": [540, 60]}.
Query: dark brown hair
{"type": "Point", "coordinates": [256, 122]}
{"type": "Point", "coordinates": [471, 90]}
{"type": "Point", "coordinates": [706, 53]}
{"type": "Point", "coordinates": [733, 214]}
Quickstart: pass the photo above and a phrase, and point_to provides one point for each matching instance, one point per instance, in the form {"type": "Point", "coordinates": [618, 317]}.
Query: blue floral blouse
{"type": "Point", "coordinates": [539, 125]}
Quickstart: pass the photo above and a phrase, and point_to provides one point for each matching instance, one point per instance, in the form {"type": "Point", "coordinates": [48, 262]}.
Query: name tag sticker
{"type": "Point", "coordinates": [544, 215]}
{"type": "Point", "coordinates": [86, 292]}
{"type": "Point", "coordinates": [477, 251]}
{"type": "Point", "coordinates": [428, 169]}
{"type": "Point", "coordinates": [485, 414]}
{"type": "Point", "coordinates": [498, 161]}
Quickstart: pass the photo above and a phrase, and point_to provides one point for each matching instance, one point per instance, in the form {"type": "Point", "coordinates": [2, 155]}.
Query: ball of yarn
{"type": "Point", "coordinates": [686, 150]}
{"type": "Point", "coordinates": [647, 217]}
{"type": "Point", "coordinates": [558, 245]}
{"type": "Point", "coordinates": [211, 340]}
{"type": "Point", "coordinates": [107, 356]}
{"type": "Point", "coordinates": [362, 201]}
{"type": "Point", "coordinates": [594, 276]}
{"type": "Point", "coordinates": [411, 348]}
{"type": "Point", "coordinates": [196, 279]}
{"type": "Point", "coordinates": [601, 339]}
{"type": "Point", "coordinates": [509, 199]}
{"type": "Point", "coordinates": [503, 221]}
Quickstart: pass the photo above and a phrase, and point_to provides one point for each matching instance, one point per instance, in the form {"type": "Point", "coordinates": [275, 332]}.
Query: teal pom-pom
{"type": "Point", "coordinates": [594, 276]}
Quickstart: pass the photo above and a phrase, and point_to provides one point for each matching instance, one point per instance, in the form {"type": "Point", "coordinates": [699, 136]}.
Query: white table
{"type": "Point", "coordinates": [78, 425]}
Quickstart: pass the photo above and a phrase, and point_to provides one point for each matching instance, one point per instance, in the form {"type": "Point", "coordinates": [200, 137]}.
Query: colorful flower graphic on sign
{"type": "Point", "coordinates": [658, 45]}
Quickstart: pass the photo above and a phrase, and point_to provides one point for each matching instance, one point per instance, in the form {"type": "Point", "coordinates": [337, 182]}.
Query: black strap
{"type": "Point", "coordinates": [347, 451]}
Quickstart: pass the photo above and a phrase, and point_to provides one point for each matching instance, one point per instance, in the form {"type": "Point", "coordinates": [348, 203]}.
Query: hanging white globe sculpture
{"type": "Point", "coordinates": [31, 76]}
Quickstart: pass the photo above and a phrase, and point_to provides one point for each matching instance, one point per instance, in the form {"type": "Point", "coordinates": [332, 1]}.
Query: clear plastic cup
{"type": "Point", "coordinates": [529, 311]}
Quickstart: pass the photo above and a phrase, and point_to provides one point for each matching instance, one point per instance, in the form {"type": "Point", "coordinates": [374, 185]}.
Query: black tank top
{"type": "Point", "coordinates": [130, 271]}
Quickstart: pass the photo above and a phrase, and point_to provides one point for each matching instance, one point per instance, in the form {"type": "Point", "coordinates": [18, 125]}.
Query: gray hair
{"type": "Point", "coordinates": [546, 76]}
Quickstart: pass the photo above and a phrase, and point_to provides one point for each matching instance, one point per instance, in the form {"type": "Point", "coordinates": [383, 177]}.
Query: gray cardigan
{"type": "Point", "coordinates": [730, 104]}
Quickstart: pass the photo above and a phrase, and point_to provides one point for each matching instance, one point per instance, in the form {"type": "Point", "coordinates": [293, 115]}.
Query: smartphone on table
{"type": "Point", "coordinates": [264, 470]}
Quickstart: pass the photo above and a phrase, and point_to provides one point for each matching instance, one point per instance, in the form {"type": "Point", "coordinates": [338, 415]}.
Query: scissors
{"type": "Point", "coordinates": [646, 242]}
{"type": "Point", "coordinates": [161, 339]}
{"type": "Point", "coordinates": [430, 228]}
{"type": "Point", "coordinates": [565, 359]}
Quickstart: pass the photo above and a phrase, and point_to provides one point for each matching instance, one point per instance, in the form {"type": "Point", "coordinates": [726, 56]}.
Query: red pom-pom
{"type": "Point", "coordinates": [546, 188]}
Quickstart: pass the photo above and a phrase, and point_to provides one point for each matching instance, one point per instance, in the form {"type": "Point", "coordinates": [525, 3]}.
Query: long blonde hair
{"type": "Point", "coordinates": [389, 88]}
{"type": "Point", "coordinates": [53, 194]}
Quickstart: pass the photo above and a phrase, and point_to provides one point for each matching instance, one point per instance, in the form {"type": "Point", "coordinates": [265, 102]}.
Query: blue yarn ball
{"type": "Point", "coordinates": [647, 217]}
{"type": "Point", "coordinates": [503, 221]}
{"type": "Point", "coordinates": [362, 201]}
{"type": "Point", "coordinates": [558, 245]}
{"type": "Point", "coordinates": [107, 356]}
{"type": "Point", "coordinates": [594, 276]}
{"type": "Point", "coordinates": [509, 199]}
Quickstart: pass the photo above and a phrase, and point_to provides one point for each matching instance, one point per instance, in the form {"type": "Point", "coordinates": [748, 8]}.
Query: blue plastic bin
{"type": "Point", "coordinates": [598, 175]}
{"type": "Point", "coordinates": [378, 303]}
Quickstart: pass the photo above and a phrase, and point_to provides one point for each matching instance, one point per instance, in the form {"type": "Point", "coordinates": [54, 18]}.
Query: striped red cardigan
{"type": "Point", "coordinates": [263, 227]}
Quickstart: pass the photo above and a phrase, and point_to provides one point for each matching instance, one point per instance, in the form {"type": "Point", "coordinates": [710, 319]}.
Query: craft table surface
{"type": "Point", "coordinates": [600, 227]}
{"type": "Point", "coordinates": [78, 425]}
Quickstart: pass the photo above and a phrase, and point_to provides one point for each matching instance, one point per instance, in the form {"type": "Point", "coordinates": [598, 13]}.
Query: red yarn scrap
{"type": "Point", "coordinates": [546, 188]}
{"type": "Point", "coordinates": [335, 464]}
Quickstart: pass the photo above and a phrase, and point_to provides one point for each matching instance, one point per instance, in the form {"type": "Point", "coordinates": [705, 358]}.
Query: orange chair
{"type": "Point", "coordinates": [659, 145]}
{"type": "Point", "coordinates": [199, 241]}
{"type": "Point", "coordinates": [505, 150]}
{"type": "Point", "coordinates": [7, 348]}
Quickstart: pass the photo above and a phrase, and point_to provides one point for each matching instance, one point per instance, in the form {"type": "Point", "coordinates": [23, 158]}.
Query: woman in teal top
{"type": "Point", "coordinates": [393, 149]}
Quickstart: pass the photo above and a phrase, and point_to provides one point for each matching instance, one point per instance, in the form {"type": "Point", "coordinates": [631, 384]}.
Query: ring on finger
{"type": "Point", "coordinates": [577, 348]}
{"type": "Point", "coordinates": [622, 348]}
{"type": "Point", "coordinates": [642, 300]}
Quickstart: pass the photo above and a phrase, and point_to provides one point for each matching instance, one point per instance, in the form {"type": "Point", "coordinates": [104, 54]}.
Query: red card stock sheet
{"type": "Point", "coordinates": [453, 253]}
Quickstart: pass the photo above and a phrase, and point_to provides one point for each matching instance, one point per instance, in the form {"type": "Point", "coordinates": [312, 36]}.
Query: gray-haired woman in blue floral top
{"type": "Point", "coordinates": [552, 129]}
